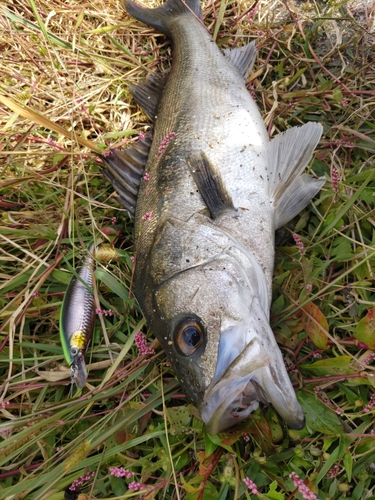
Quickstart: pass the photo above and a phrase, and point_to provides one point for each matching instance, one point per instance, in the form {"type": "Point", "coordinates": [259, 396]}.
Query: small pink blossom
{"type": "Point", "coordinates": [142, 135]}
{"type": "Point", "coordinates": [147, 216]}
{"type": "Point", "coordinates": [113, 220]}
{"type": "Point", "coordinates": [146, 176]}
{"type": "Point", "coordinates": [370, 358]}
{"type": "Point", "coordinates": [246, 437]}
{"type": "Point", "coordinates": [299, 243]}
{"type": "Point", "coordinates": [333, 472]}
{"type": "Point", "coordinates": [4, 404]}
{"type": "Point", "coordinates": [251, 485]}
{"type": "Point", "coordinates": [335, 179]}
{"type": "Point", "coordinates": [308, 288]}
{"type": "Point", "coordinates": [120, 472]}
{"type": "Point", "coordinates": [105, 312]}
{"type": "Point", "coordinates": [344, 101]}
{"type": "Point", "coordinates": [302, 488]}
{"type": "Point", "coordinates": [136, 486]}
{"type": "Point", "coordinates": [260, 33]}
{"type": "Point", "coordinates": [141, 343]}
{"type": "Point", "coordinates": [132, 258]}
{"type": "Point", "coordinates": [83, 479]}
{"type": "Point", "coordinates": [317, 355]}
{"type": "Point", "coordinates": [252, 91]}
{"type": "Point", "coordinates": [165, 141]}
{"type": "Point", "coordinates": [370, 404]}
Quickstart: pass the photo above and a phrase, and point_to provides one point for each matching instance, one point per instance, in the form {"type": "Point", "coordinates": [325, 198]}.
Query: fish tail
{"type": "Point", "coordinates": [161, 17]}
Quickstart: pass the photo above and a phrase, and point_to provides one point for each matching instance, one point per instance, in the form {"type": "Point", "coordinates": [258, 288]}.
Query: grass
{"type": "Point", "coordinates": [65, 70]}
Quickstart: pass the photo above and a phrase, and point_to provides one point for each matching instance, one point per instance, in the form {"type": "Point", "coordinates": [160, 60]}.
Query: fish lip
{"type": "Point", "coordinates": [239, 381]}
{"type": "Point", "coordinates": [248, 380]}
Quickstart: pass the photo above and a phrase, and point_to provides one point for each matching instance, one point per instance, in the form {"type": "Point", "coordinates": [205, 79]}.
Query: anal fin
{"type": "Point", "coordinates": [209, 184]}
{"type": "Point", "coordinates": [124, 170]}
{"type": "Point", "coordinates": [288, 155]}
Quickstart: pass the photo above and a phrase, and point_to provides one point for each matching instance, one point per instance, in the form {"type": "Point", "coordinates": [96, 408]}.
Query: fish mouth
{"type": "Point", "coordinates": [256, 375]}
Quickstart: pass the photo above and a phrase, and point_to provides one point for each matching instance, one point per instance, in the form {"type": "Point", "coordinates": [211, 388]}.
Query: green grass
{"type": "Point", "coordinates": [66, 73]}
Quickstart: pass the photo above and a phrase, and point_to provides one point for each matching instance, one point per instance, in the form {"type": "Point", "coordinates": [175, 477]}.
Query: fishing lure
{"type": "Point", "coordinates": [77, 318]}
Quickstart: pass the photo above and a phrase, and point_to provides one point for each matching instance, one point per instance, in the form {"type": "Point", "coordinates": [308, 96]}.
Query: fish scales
{"type": "Point", "coordinates": [215, 192]}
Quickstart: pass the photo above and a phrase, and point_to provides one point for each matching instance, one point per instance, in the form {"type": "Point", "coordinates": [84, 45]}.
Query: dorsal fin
{"type": "Point", "coordinates": [147, 94]}
{"type": "Point", "coordinates": [210, 184]}
{"type": "Point", "coordinates": [124, 170]}
{"type": "Point", "coordinates": [288, 156]}
{"type": "Point", "coordinates": [242, 58]}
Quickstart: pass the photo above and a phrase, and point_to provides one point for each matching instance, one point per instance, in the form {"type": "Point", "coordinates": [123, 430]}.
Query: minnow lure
{"type": "Point", "coordinates": [77, 318]}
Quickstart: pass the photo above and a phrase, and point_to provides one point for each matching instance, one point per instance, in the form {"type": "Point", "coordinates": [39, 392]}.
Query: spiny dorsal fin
{"type": "Point", "coordinates": [242, 58]}
{"type": "Point", "coordinates": [124, 170]}
{"type": "Point", "coordinates": [209, 184]}
{"type": "Point", "coordinates": [288, 155]}
{"type": "Point", "coordinates": [147, 94]}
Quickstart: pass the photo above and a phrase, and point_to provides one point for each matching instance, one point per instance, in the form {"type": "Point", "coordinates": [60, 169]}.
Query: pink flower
{"type": "Point", "coordinates": [78, 482]}
{"type": "Point", "coordinates": [165, 141]}
{"type": "Point", "coordinates": [120, 472]}
{"type": "Point", "coordinates": [136, 486]}
{"type": "Point", "coordinates": [246, 437]}
{"type": "Point", "coordinates": [147, 216]}
{"type": "Point", "coordinates": [132, 258]}
{"type": "Point", "coordinates": [146, 176]}
{"type": "Point", "coordinates": [370, 404]}
{"type": "Point", "coordinates": [335, 179]}
{"type": "Point", "coordinates": [251, 485]}
{"type": "Point", "coordinates": [113, 220]}
{"type": "Point", "coordinates": [302, 488]}
{"type": "Point", "coordinates": [141, 343]}
{"type": "Point", "coordinates": [298, 242]}
{"type": "Point", "coordinates": [105, 312]}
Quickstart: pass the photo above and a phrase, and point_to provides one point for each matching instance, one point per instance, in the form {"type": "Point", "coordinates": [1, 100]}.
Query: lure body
{"type": "Point", "coordinates": [78, 317]}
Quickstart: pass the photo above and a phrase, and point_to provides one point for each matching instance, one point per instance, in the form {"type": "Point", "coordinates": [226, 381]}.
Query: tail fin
{"type": "Point", "coordinates": [161, 17]}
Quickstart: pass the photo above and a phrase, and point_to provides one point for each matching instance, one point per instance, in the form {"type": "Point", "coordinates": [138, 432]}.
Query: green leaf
{"type": "Point", "coordinates": [273, 494]}
{"type": "Point", "coordinates": [348, 464]}
{"type": "Point", "coordinates": [318, 416]}
{"type": "Point", "coordinates": [315, 325]}
{"type": "Point", "coordinates": [365, 329]}
{"type": "Point", "coordinates": [112, 283]}
{"type": "Point", "coordinates": [331, 366]}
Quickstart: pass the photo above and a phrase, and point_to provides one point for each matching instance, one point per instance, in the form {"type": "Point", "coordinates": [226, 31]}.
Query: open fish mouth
{"type": "Point", "coordinates": [251, 378]}
{"type": "Point", "coordinates": [237, 393]}
{"type": "Point", "coordinates": [237, 404]}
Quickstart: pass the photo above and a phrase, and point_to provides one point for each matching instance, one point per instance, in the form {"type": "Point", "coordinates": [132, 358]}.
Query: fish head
{"type": "Point", "coordinates": [212, 321]}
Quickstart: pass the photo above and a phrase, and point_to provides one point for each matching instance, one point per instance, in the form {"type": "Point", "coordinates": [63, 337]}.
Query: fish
{"type": "Point", "coordinates": [77, 318]}
{"type": "Point", "coordinates": [207, 189]}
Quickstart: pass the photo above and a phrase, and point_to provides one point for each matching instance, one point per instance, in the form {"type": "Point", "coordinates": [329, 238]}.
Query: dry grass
{"type": "Point", "coordinates": [65, 69]}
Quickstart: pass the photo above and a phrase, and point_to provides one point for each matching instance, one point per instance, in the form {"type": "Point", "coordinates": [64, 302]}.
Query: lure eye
{"type": "Point", "coordinates": [74, 351]}
{"type": "Point", "coordinates": [189, 336]}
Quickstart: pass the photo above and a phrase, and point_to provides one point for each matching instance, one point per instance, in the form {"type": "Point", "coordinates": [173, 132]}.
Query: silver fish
{"type": "Point", "coordinates": [214, 191]}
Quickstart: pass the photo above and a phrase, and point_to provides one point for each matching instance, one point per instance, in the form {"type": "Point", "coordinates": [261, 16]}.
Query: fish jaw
{"type": "Point", "coordinates": [256, 375]}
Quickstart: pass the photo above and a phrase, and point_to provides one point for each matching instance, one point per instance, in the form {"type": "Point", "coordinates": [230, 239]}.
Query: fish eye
{"type": "Point", "coordinates": [74, 351]}
{"type": "Point", "coordinates": [189, 336]}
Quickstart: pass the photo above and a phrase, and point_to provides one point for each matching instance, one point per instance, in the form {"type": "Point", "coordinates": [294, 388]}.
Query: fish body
{"type": "Point", "coordinates": [205, 218]}
{"type": "Point", "coordinates": [77, 318]}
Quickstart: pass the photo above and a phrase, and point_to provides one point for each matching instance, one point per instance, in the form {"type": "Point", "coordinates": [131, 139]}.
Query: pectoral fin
{"type": "Point", "coordinates": [288, 156]}
{"type": "Point", "coordinates": [210, 185]}
{"type": "Point", "coordinates": [242, 58]}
